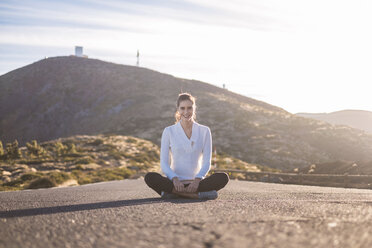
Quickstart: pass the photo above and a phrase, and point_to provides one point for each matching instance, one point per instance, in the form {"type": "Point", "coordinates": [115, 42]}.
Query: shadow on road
{"type": "Point", "coordinates": [77, 207]}
{"type": "Point", "coordinates": [86, 206]}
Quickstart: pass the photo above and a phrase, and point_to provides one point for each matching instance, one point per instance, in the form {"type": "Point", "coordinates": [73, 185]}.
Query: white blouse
{"type": "Point", "coordinates": [183, 157]}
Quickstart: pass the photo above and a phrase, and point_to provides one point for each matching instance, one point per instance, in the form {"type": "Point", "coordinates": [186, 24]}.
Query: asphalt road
{"type": "Point", "coordinates": [128, 214]}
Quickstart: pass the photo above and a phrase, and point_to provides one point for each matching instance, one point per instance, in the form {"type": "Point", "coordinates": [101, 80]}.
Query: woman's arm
{"type": "Point", "coordinates": [164, 155]}
{"type": "Point", "coordinates": [207, 155]}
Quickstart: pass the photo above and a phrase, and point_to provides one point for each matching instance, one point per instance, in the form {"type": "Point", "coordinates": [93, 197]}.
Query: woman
{"type": "Point", "coordinates": [185, 158]}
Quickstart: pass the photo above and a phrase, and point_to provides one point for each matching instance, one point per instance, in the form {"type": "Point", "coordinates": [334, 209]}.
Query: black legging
{"type": "Point", "coordinates": [159, 183]}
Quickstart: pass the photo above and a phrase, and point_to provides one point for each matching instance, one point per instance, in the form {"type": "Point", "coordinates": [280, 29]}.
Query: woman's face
{"type": "Point", "coordinates": [186, 110]}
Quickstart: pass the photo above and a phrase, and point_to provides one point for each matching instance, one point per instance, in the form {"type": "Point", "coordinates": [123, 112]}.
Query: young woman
{"type": "Point", "coordinates": [185, 158]}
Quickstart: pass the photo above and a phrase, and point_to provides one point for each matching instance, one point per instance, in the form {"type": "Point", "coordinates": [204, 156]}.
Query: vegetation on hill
{"type": "Point", "coordinates": [224, 161]}
{"type": "Point", "coordinates": [76, 160]}
{"type": "Point", "coordinates": [86, 159]}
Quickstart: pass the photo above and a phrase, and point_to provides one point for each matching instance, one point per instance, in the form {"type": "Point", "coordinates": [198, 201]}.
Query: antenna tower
{"type": "Point", "coordinates": [137, 57]}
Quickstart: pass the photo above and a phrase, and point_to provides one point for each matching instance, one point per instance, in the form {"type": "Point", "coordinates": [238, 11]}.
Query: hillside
{"type": "Point", "coordinates": [359, 119]}
{"type": "Point", "coordinates": [64, 96]}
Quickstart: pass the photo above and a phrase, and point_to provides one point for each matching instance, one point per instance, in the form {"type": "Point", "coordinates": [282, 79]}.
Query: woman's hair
{"type": "Point", "coordinates": [184, 97]}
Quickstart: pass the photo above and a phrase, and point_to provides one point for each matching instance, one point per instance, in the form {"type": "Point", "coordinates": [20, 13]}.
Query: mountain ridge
{"type": "Point", "coordinates": [360, 119]}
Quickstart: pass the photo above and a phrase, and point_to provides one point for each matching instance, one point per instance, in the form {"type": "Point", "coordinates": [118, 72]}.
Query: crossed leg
{"type": "Point", "coordinates": [159, 183]}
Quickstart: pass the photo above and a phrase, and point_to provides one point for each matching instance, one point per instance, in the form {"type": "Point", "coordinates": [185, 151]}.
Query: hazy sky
{"type": "Point", "coordinates": [303, 56]}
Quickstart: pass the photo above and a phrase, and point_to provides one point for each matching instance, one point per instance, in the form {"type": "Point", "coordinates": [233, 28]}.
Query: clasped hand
{"type": "Point", "coordinates": [191, 188]}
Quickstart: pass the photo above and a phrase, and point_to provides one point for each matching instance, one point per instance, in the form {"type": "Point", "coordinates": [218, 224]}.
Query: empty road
{"type": "Point", "coordinates": [128, 214]}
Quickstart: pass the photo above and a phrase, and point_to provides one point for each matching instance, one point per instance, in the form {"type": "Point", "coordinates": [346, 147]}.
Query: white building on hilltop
{"type": "Point", "coordinates": [79, 52]}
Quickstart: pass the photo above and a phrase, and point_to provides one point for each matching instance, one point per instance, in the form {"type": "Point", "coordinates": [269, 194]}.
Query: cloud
{"type": "Point", "coordinates": [130, 15]}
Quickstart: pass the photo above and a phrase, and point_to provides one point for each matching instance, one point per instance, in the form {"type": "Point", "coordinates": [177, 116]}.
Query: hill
{"type": "Point", "coordinates": [65, 96]}
{"type": "Point", "coordinates": [359, 119]}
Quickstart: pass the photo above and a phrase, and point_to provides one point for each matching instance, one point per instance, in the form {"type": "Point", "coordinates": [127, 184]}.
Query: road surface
{"type": "Point", "coordinates": [128, 214]}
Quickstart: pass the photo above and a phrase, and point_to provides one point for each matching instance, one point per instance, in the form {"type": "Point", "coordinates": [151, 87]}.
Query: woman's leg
{"type": "Point", "coordinates": [214, 182]}
{"type": "Point", "coordinates": [158, 183]}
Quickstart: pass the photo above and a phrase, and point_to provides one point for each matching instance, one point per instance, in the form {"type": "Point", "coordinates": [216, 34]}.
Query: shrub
{"type": "Point", "coordinates": [43, 182]}
{"type": "Point", "coordinates": [110, 147]}
{"type": "Point", "coordinates": [14, 183]}
{"type": "Point", "coordinates": [85, 180]}
{"type": "Point", "coordinates": [60, 149]}
{"type": "Point", "coordinates": [131, 140]}
{"type": "Point", "coordinates": [115, 154]}
{"type": "Point", "coordinates": [144, 157]}
{"type": "Point", "coordinates": [73, 156]}
{"type": "Point", "coordinates": [79, 167]}
{"type": "Point", "coordinates": [9, 188]}
{"type": "Point", "coordinates": [71, 148]}
{"type": "Point", "coordinates": [101, 175]}
{"type": "Point", "coordinates": [112, 174]}
{"type": "Point", "coordinates": [1, 149]}
{"type": "Point", "coordinates": [30, 176]}
{"type": "Point", "coordinates": [96, 142]}
{"type": "Point", "coordinates": [81, 177]}
{"type": "Point", "coordinates": [84, 160]}
{"type": "Point", "coordinates": [12, 151]}
{"type": "Point", "coordinates": [35, 149]}
{"type": "Point", "coordinates": [59, 177]}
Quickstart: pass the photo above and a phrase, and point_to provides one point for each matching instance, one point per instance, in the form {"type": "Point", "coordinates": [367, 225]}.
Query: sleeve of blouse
{"type": "Point", "coordinates": [164, 155]}
{"type": "Point", "coordinates": [207, 155]}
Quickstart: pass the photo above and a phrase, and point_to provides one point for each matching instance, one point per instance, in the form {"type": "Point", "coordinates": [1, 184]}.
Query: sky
{"type": "Point", "coordinates": [303, 56]}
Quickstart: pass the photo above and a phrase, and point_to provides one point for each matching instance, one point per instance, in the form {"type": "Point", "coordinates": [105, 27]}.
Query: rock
{"type": "Point", "coordinates": [6, 179]}
{"type": "Point", "coordinates": [22, 166]}
{"type": "Point", "coordinates": [17, 172]}
{"type": "Point", "coordinates": [90, 166]}
{"type": "Point", "coordinates": [123, 163]}
{"type": "Point", "coordinates": [71, 182]}
{"type": "Point", "coordinates": [52, 166]}
{"type": "Point", "coordinates": [6, 173]}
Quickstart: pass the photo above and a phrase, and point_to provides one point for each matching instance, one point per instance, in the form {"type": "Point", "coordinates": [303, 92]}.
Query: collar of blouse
{"type": "Point", "coordinates": [188, 143]}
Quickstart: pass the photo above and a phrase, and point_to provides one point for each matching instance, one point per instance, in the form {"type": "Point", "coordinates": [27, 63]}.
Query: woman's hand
{"type": "Point", "coordinates": [193, 186]}
{"type": "Point", "coordinates": [178, 186]}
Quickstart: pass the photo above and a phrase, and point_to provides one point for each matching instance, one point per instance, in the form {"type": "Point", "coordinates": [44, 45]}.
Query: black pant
{"type": "Point", "coordinates": [159, 183]}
